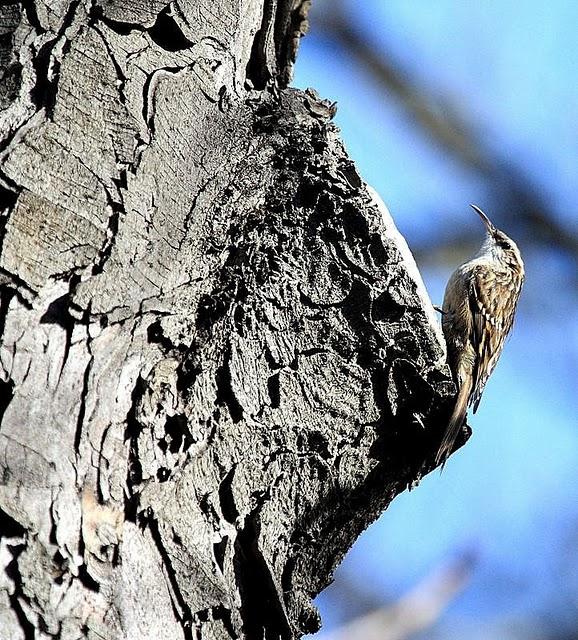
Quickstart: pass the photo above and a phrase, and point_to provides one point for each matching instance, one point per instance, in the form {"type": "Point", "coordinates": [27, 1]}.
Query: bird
{"type": "Point", "coordinates": [478, 312]}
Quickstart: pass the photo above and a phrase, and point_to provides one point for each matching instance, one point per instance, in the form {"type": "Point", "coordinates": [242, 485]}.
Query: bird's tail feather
{"type": "Point", "coordinates": [455, 423]}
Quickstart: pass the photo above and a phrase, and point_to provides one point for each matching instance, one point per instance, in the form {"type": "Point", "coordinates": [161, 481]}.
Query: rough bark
{"type": "Point", "coordinates": [218, 363]}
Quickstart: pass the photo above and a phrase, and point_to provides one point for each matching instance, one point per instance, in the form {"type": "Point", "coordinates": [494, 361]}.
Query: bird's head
{"type": "Point", "coordinates": [499, 244]}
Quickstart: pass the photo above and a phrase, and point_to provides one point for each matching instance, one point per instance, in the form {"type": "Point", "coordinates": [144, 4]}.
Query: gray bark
{"type": "Point", "coordinates": [218, 363]}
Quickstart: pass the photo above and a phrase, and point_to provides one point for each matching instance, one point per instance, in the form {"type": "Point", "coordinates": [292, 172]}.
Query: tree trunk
{"type": "Point", "coordinates": [218, 362]}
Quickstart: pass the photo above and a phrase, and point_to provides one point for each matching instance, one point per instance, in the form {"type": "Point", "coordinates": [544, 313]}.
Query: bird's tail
{"type": "Point", "coordinates": [455, 423]}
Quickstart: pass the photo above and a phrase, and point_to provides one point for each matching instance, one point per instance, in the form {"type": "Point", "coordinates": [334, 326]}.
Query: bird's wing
{"type": "Point", "coordinates": [492, 305]}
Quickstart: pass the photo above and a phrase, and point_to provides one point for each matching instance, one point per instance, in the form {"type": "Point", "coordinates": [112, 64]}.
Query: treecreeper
{"type": "Point", "coordinates": [477, 315]}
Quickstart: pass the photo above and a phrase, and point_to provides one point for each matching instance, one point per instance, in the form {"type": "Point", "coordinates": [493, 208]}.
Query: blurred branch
{"type": "Point", "coordinates": [416, 611]}
{"type": "Point", "coordinates": [517, 199]}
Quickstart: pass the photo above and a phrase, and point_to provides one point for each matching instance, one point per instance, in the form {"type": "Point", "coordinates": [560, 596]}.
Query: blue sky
{"type": "Point", "coordinates": [510, 495]}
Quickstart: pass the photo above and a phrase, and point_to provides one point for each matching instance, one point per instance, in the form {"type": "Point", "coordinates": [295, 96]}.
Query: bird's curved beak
{"type": "Point", "coordinates": [489, 226]}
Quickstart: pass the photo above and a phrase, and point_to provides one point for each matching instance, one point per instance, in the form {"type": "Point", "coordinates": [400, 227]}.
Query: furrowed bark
{"type": "Point", "coordinates": [218, 363]}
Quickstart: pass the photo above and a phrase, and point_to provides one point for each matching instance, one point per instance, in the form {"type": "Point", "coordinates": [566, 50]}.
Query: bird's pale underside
{"type": "Point", "coordinates": [478, 312]}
